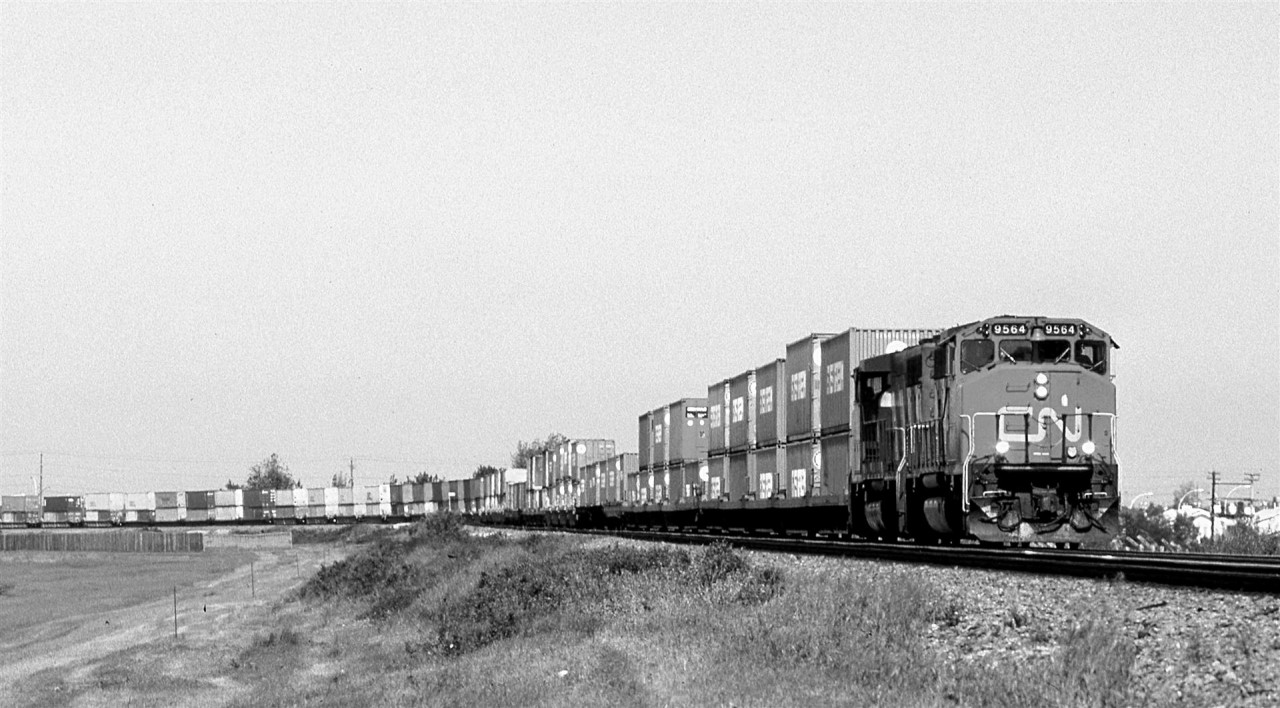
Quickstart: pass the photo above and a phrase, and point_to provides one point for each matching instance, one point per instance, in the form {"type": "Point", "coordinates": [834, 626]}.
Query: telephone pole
{"type": "Point", "coordinates": [351, 478]}
{"type": "Point", "coordinates": [1213, 504]}
{"type": "Point", "coordinates": [1214, 480]}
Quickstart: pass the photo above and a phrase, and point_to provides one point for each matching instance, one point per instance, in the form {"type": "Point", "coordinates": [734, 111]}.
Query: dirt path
{"type": "Point", "coordinates": [214, 615]}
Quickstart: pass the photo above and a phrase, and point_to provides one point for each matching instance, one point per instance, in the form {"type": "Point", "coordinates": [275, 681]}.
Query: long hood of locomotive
{"type": "Point", "coordinates": [1039, 416]}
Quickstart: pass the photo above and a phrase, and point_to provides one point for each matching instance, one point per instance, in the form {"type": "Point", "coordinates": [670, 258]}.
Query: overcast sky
{"type": "Point", "coordinates": [413, 235]}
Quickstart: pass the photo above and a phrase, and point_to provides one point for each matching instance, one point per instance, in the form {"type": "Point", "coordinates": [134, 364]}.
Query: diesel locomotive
{"type": "Point", "coordinates": [1002, 430]}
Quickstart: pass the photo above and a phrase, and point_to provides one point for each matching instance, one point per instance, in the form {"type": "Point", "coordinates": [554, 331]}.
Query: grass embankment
{"type": "Point", "coordinates": [436, 616]}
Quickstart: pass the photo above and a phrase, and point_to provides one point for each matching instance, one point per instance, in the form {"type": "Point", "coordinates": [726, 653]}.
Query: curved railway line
{"type": "Point", "coordinates": [1219, 572]}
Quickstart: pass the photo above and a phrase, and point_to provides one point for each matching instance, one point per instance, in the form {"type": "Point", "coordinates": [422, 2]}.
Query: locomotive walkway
{"type": "Point", "coordinates": [1223, 572]}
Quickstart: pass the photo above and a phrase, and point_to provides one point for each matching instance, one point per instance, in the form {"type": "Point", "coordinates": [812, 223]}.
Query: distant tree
{"type": "Point", "coordinates": [340, 479]}
{"type": "Point", "coordinates": [233, 485]}
{"type": "Point", "coordinates": [525, 450]}
{"type": "Point", "coordinates": [393, 481]}
{"type": "Point", "coordinates": [271, 474]}
{"type": "Point", "coordinates": [483, 470]}
{"type": "Point", "coordinates": [1149, 524]}
{"type": "Point", "coordinates": [1186, 489]}
{"type": "Point", "coordinates": [425, 478]}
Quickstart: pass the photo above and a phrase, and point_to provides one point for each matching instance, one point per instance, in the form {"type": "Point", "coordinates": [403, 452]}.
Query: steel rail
{"type": "Point", "coordinates": [1242, 573]}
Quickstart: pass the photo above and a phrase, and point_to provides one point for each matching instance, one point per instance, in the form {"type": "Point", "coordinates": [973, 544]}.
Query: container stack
{"type": "Point", "coordinates": [804, 459]}
{"type": "Point", "coordinates": [140, 507]}
{"type": "Point", "coordinates": [171, 507]}
{"type": "Point", "coordinates": [199, 507]}
{"type": "Point", "coordinates": [259, 505]}
{"type": "Point", "coordinates": [771, 428]}
{"type": "Point", "coordinates": [228, 504]}
{"type": "Point", "coordinates": [60, 510]}
{"type": "Point", "coordinates": [680, 441]}
{"type": "Point", "coordinates": [717, 469]}
{"type": "Point", "coordinates": [107, 508]}
{"type": "Point", "coordinates": [741, 477]}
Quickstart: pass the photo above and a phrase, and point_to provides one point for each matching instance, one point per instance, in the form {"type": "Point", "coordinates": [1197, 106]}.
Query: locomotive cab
{"type": "Point", "coordinates": [1036, 430]}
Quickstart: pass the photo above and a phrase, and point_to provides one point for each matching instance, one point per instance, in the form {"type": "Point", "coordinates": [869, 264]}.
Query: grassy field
{"type": "Point", "coordinates": [437, 616]}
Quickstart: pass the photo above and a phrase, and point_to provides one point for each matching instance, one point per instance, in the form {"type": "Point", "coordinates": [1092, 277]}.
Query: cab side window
{"type": "Point", "coordinates": [975, 354]}
{"type": "Point", "coordinates": [1092, 355]}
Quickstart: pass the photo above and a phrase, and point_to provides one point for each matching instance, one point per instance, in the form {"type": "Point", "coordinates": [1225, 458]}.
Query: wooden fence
{"type": "Point", "coordinates": [121, 541]}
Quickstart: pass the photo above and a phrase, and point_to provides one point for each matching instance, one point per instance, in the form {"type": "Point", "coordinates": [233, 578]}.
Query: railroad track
{"type": "Point", "coordinates": [1245, 573]}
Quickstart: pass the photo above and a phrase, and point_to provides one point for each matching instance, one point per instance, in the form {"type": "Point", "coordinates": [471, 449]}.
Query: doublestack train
{"type": "Point", "coordinates": [1000, 431]}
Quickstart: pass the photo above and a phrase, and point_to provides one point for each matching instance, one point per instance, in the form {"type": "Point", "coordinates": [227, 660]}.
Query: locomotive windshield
{"type": "Point", "coordinates": [979, 353]}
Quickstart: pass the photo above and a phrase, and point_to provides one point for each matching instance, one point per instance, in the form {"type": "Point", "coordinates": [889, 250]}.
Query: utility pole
{"type": "Point", "coordinates": [1213, 505]}
{"type": "Point", "coordinates": [351, 478]}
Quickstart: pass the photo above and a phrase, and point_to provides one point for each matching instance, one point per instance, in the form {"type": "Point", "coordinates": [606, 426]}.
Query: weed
{"type": "Point", "coordinates": [1094, 662]}
{"type": "Point", "coordinates": [717, 562]}
{"type": "Point", "coordinates": [434, 528]}
{"type": "Point", "coordinates": [617, 559]}
{"type": "Point", "coordinates": [286, 636]}
{"type": "Point", "coordinates": [379, 568]}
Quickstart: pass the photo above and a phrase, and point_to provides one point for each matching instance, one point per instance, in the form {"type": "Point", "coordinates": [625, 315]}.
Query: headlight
{"type": "Point", "coordinates": [1071, 452]}
{"type": "Point", "coordinates": [1088, 447]}
{"type": "Point", "coordinates": [1042, 379]}
{"type": "Point", "coordinates": [1042, 392]}
{"type": "Point", "coordinates": [1002, 447]}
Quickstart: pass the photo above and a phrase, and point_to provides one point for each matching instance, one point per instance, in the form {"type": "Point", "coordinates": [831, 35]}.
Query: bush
{"type": "Point", "coordinates": [1244, 540]}
{"type": "Point", "coordinates": [446, 526]}
{"type": "Point", "coordinates": [380, 568]}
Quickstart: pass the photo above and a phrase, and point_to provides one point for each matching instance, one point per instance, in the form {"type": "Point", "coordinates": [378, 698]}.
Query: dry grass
{"type": "Point", "coordinates": [436, 617]}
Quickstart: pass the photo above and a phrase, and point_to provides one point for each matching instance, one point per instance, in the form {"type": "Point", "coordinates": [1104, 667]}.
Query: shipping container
{"type": "Point", "coordinates": [646, 441]}
{"type": "Point", "coordinates": [804, 364]}
{"type": "Point", "coordinates": [64, 504]}
{"type": "Point", "coordinates": [332, 502]}
{"type": "Point", "coordinates": [171, 514]}
{"type": "Point", "coordinates": [254, 498]}
{"type": "Point", "coordinates": [571, 455]}
{"type": "Point", "coordinates": [742, 479]}
{"type": "Point", "coordinates": [284, 498]}
{"type": "Point", "coordinates": [771, 403]}
{"type": "Point", "coordinates": [140, 501]}
{"type": "Point", "coordinates": [14, 503]}
{"type": "Point", "coordinates": [100, 501]}
{"type": "Point", "coordinates": [742, 411]}
{"type": "Point", "coordinates": [836, 462]}
{"type": "Point", "coordinates": [680, 432]}
{"type": "Point", "coordinates": [718, 418]}
{"type": "Point", "coordinates": [198, 515]}
{"type": "Point", "coordinates": [225, 497]}
{"type": "Point", "coordinates": [716, 484]}
{"type": "Point", "coordinates": [200, 500]}
{"type": "Point", "coordinates": [804, 469]}
{"type": "Point", "coordinates": [170, 500]}
{"type": "Point", "coordinates": [228, 513]}
{"type": "Point", "coordinates": [771, 468]}
{"type": "Point", "coordinates": [316, 496]}
{"type": "Point", "coordinates": [841, 354]}
{"type": "Point", "coordinates": [98, 516]}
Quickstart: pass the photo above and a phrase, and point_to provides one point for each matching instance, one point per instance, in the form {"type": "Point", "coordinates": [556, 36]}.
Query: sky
{"type": "Point", "coordinates": [406, 237]}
